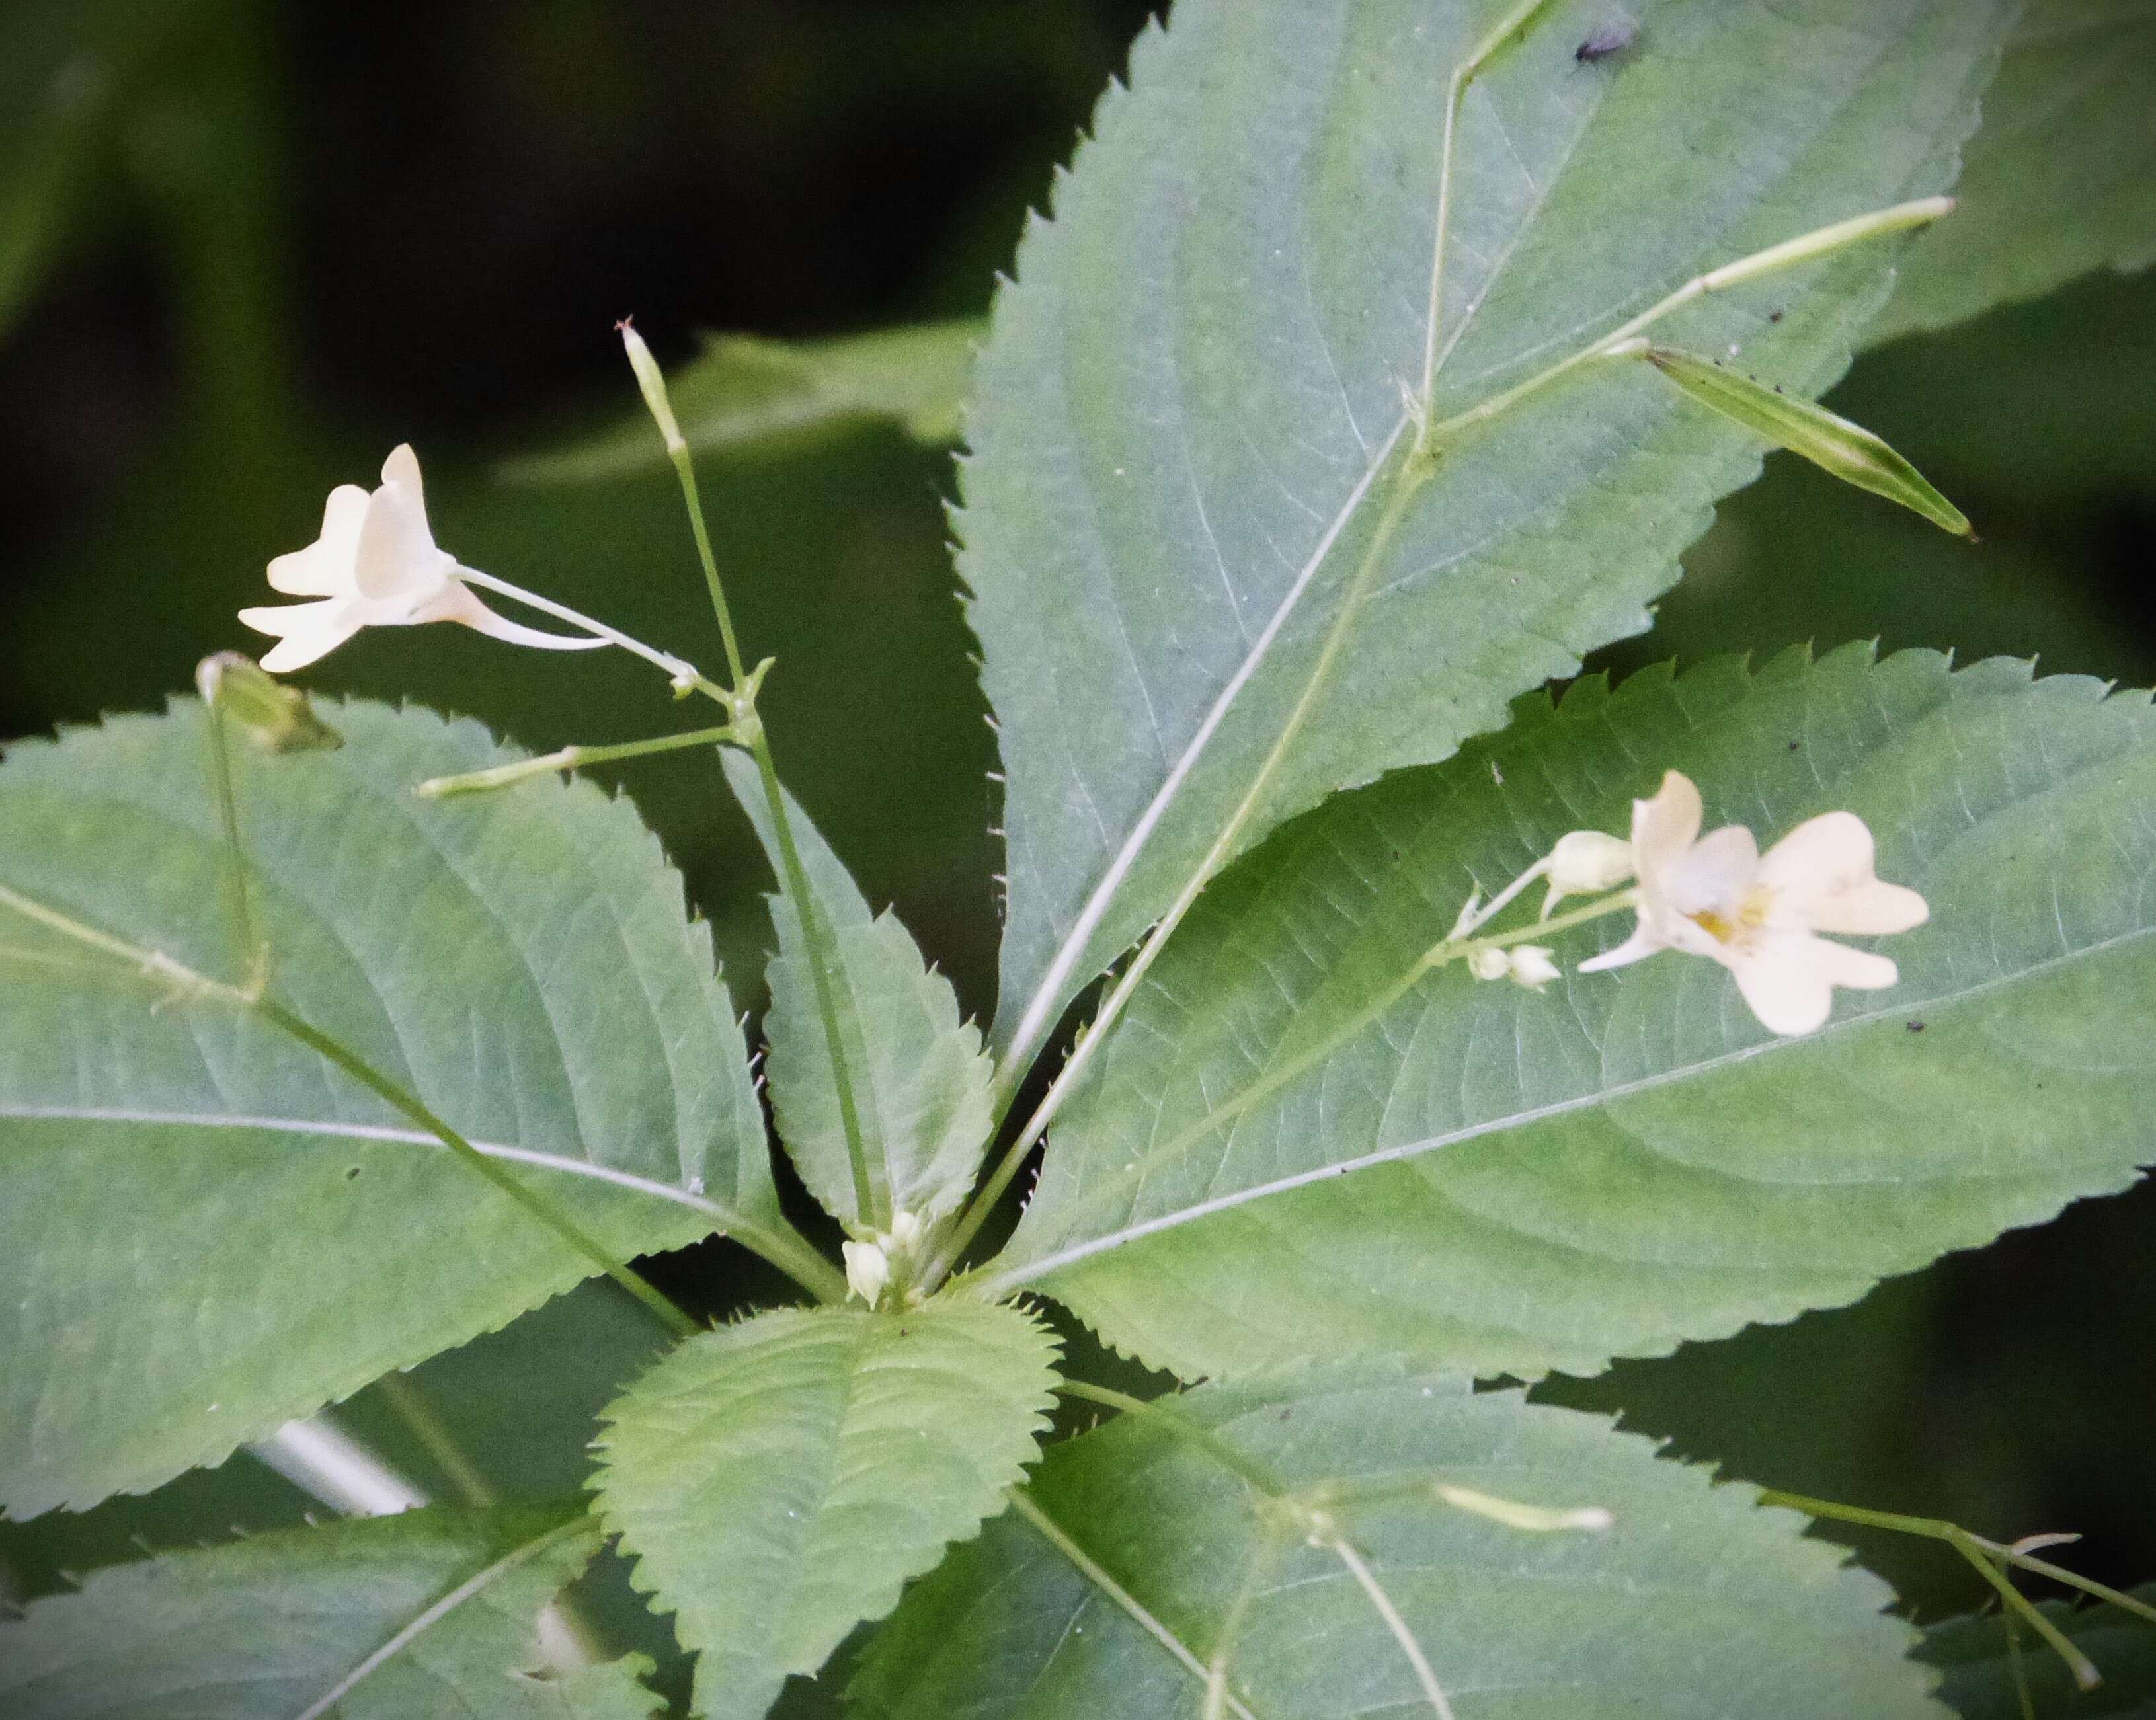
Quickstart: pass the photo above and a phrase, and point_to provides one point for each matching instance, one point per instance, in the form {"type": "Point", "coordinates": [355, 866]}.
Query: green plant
{"type": "Point", "coordinates": [1319, 429]}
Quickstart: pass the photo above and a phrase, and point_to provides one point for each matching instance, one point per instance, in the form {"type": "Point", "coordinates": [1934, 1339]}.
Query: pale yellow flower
{"type": "Point", "coordinates": [376, 564]}
{"type": "Point", "coordinates": [1759, 916]}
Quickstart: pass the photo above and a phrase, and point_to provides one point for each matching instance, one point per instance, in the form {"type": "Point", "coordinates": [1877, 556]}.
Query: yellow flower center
{"type": "Point", "coordinates": [1751, 916]}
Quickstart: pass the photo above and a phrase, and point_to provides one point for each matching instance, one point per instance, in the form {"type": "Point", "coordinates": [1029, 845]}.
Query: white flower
{"type": "Point", "coordinates": [1532, 965]}
{"type": "Point", "coordinates": [1585, 863]}
{"type": "Point", "coordinates": [376, 564]}
{"type": "Point", "coordinates": [867, 1270]}
{"type": "Point", "coordinates": [1489, 963]}
{"type": "Point", "coordinates": [906, 1232]}
{"type": "Point", "coordinates": [1757, 916]}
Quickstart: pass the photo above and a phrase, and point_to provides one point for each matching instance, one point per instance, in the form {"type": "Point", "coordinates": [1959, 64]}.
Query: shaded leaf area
{"type": "Point", "coordinates": [778, 1481]}
{"type": "Point", "coordinates": [435, 1612]}
{"type": "Point", "coordinates": [1977, 1665]}
{"type": "Point", "coordinates": [919, 1078]}
{"type": "Point", "coordinates": [1293, 1146]}
{"type": "Point", "coordinates": [2060, 180]}
{"type": "Point", "coordinates": [1694, 1603]}
{"type": "Point", "coordinates": [743, 392]}
{"type": "Point", "coordinates": [207, 1229]}
{"type": "Point", "coordinates": [1189, 495]}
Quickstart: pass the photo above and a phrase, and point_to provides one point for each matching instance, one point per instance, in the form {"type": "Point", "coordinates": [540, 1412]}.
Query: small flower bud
{"type": "Point", "coordinates": [905, 1233]}
{"type": "Point", "coordinates": [1489, 963]}
{"type": "Point", "coordinates": [868, 1271]}
{"type": "Point", "coordinates": [277, 718]}
{"type": "Point", "coordinates": [1534, 966]}
{"type": "Point", "coordinates": [1585, 863]}
{"type": "Point", "coordinates": [652, 381]}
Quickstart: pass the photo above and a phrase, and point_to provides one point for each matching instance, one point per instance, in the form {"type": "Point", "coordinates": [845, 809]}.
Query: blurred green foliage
{"type": "Point", "coordinates": [246, 246]}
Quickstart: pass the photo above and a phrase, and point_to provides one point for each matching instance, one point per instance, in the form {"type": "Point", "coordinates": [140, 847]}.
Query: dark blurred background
{"type": "Point", "coordinates": [245, 247]}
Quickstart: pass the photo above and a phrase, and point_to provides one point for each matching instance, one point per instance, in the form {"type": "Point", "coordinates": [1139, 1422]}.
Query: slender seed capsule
{"type": "Point", "coordinates": [1829, 441]}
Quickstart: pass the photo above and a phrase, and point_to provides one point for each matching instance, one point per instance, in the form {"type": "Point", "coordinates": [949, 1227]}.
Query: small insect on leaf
{"type": "Point", "coordinates": [1804, 427]}
{"type": "Point", "coordinates": [1610, 39]}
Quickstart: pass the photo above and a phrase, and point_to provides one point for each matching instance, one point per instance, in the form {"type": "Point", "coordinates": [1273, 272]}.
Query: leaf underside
{"type": "Point", "coordinates": [1273, 1161]}
{"type": "Point", "coordinates": [1694, 1604]}
{"type": "Point", "coordinates": [918, 1077]}
{"type": "Point", "coordinates": [2061, 180]}
{"type": "Point", "coordinates": [1191, 408]}
{"type": "Point", "coordinates": [265, 1628]}
{"type": "Point", "coordinates": [206, 1229]}
{"type": "Point", "coordinates": [778, 1481]}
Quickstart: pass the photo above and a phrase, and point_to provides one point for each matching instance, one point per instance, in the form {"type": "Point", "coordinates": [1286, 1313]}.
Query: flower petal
{"type": "Point", "coordinates": [460, 603]}
{"type": "Point", "coordinates": [1871, 909]}
{"type": "Point", "coordinates": [1714, 874]}
{"type": "Point", "coordinates": [282, 620]}
{"type": "Point", "coordinates": [1665, 827]}
{"type": "Point", "coordinates": [1822, 877]}
{"type": "Point", "coordinates": [323, 569]}
{"type": "Point", "coordinates": [396, 557]}
{"type": "Point", "coordinates": [1788, 978]}
{"type": "Point", "coordinates": [1641, 945]}
{"type": "Point", "coordinates": [310, 643]}
{"type": "Point", "coordinates": [402, 467]}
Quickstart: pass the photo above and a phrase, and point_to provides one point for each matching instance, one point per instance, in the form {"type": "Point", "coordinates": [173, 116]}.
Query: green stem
{"type": "Point", "coordinates": [1463, 74]}
{"type": "Point", "coordinates": [548, 1212]}
{"type": "Point", "coordinates": [1095, 1573]}
{"type": "Point", "coordinates": [823, 956]}
{"type": "Point", "coordinates": [1204, 1438]}
{"type": "Point", "coordinates": [1374, 1593]}
{"type": "Point", "coordinates": [1986, 1557]}
{"type": "Point", "coordinates": [1806, 248]}
{"type": "Point", "coordinates": [1407, 480]}
{"type": "Point", "coordinates": [418, 1416]}
{"type": "Point", "coordinates": [254, 948]}
{"type": "Point", "coordinates": [567, 758]}
{"type": "Point", "coordinates": [1264, 1552]}
{"type": "Point", "coordinates": [684, 675]}
{"type": "Point", "coordinates": [1437, 956]}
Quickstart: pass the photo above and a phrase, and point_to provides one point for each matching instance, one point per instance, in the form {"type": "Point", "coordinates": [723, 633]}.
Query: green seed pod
{"type": "Point", "coordinates": [1849, 451]}
{"type": "Point", "coordinates": [277, 718]}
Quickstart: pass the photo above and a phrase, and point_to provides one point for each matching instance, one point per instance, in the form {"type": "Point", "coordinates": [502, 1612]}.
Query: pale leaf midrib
{"type": "Point", "coordinates": [12, 1112]}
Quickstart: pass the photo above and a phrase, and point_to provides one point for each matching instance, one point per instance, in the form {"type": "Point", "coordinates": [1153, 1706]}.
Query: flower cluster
{"type": "Point", "coordinates": [1759, 916]}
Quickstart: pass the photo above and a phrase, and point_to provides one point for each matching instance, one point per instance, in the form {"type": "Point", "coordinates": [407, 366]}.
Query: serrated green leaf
{"type": "Point", "coordinates": [920, 1079]}
{"type": "Point", "coordinates": [1275, 1160]}
{"type": "Point", "coordinates": [1978, 1665]}
{"type": "Point", "coordinates": [778, 1481]}
{"type": "Point", "coordinates": [743, 390]}
{"type": "Point", "coordinates": [1190, 524]}
{"type": "Point", "coordinates": [1828, 440]}
{"type": "Point", "coordinates": [435, 1612]}
{"type": "Point", "coordinates": [206, 1230]}
{"type": "Point", "coordinates": [1692, 1603]}
{"type": "Point", "coordinates": [2060, 180]}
